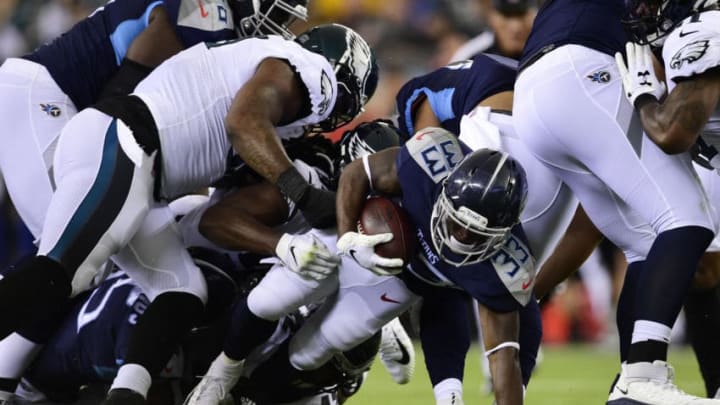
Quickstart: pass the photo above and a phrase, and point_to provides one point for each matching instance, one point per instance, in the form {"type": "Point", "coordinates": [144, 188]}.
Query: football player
{"type": "Point", "coordinates": [167, 139]}
{"type": "Point", "coordinates": [284, 290]}
{"type": "Point", "coordinates": [106, 54]}
{"type": "Point", "coordinates": [686, 36]}
{"type": "Point", "coordinates": [470, 244]}
{"type": "Point", "coordinates": [474, 99]}
{"type": "Point", "coordinates": [93, 337]}
{"type": "Point", "coordinates": [570, 111]}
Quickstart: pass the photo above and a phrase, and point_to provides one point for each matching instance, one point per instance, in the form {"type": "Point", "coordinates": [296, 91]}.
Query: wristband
{"type": "Point", "coordinates": [292, 184]}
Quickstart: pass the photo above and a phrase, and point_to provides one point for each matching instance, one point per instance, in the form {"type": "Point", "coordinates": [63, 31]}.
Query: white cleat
{"type": "Point", "coordinates": [215, 386]}
{"type": "Point", "coordinates": [651, 384]}
{"type": "Point", "coordinates": [397, 352]}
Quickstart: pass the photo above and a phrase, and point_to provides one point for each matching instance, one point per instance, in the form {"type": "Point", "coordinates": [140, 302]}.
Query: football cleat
{"type": "Point", "coordinates": [397, 353]}
{"type": "Point", "coordinates": [651, 384]}
{"type": "Point", "coordinates": [215, 386]}
{"type": "Point", "coordinates": [123, 396]}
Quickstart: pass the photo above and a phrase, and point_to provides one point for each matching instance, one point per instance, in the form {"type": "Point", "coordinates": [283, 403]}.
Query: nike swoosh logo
{"type": "Point", "coordinates": [203, 13]}
{"type": "Point", "coordinates": [682, 34]}
{"type": "Point", "coordinates": [292, 252]}
{"type": "Point", "coordinates": [352, 254]}
{"type": "Point", "coordinates": [527, 284]}
{"type": "Point", "coordinates": [622, 390]}
{"type": "Point", "coordinates": [405, 359]}
{"type": "Point", "coordinates": [385, 298]}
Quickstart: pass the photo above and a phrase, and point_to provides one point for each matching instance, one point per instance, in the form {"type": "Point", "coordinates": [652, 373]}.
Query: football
{"type": "Point", "coordinates": [383, 215]}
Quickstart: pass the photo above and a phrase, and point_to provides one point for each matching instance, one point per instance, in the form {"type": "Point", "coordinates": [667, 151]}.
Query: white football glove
{"type": "Point", "coordinates": [638, 76]}
{"type": "Point", "coordinates": [306, 255]}
{"type": "Point", "coordinates": [361, 248]}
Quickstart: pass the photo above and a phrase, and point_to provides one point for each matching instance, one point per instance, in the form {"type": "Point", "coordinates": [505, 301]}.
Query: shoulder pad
{"type": "Point", "coordinates": [515, 266]}
{"type": "Point", "coordinates": [693, 47]}
{"type": "Point", "coordinates": [436, 151]}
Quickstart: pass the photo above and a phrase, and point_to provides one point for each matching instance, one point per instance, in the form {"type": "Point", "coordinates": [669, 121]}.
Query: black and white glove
{"type": "Point", "coordinates": [316, 205]}
{"type": "Point", "coordinates": [361, 248]}
{"type": "Point", "coordinates": [638, 76]}
{"type": "Point", "coordinates": [306, 255]}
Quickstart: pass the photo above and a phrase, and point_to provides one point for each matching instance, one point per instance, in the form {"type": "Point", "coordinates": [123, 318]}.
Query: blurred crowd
{"type": "Point", "coordinates": [410, 37]}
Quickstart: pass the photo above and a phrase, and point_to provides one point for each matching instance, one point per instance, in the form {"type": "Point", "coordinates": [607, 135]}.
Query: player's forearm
{"type": "Point", "coordinates": [237, 231]}
{"type": "Point", "coordinates": [673, 125]}
{"type": "Point", "coordinates": [259, 146]}
{"type": "Point", "coordinates": [351, 194]}
{"type": "Point", "coordinates": [574, 248]}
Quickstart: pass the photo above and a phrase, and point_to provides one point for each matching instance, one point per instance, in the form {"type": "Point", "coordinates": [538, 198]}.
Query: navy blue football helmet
{"type": "Point", "coordinates": [268, 17]}
{"type": "Point", "coordinates": [648, 22]}
{"type": "Point", "coordinates": [480, 202]}
{"type": "Point", "coordinates": [355, 69]}
{"type": "Point", "coordinates": [367, 138]}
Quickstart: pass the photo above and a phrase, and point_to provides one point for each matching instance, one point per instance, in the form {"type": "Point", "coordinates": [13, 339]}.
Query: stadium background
{"type": "Point", "coordinates": [410, 37]}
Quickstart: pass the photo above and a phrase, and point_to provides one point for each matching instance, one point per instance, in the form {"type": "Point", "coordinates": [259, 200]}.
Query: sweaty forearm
{"type": "Point", "coordinates": [351, 194]}
{"type": "Point", "coordinates": [260, 147]}
{"type": "Point", "coordinates": [674, 125]}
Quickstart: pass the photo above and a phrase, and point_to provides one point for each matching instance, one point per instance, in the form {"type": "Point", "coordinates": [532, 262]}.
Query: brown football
{"type": "Point", "coordinates": [383, 215]}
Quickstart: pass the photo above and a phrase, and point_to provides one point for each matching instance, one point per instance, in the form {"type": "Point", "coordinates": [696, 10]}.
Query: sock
{"type": "Point", "coordinates": [133, 377]}
{"type": "Point", "coordinates": [702, 315]}
{"type": "Point", "coordinates": [247, 331]}
{"type": "Point", "coordinates": [650, 342]}
{"type": "Point", "coordinates": [669, 268]}
{"type": "Point", "coordinates": [447, 388]}
{"type": "Point", "coordinates": [159, 330]}
{"type": "Point", "coordinates": [34, 289]}
{"type": "Point", "coordinates": [624, 317]}
{"type": "Point", "coordinates": [17, 353]}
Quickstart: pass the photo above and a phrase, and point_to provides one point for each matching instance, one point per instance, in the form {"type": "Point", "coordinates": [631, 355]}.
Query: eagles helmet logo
{"type": "Point", "coordinates": [689, 53]}
{"type": "Point", "coordinates": [326, 90]}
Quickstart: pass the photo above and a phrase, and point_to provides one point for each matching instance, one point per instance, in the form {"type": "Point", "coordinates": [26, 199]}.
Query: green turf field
{"type": "Point", "coordinates": [567, 375]}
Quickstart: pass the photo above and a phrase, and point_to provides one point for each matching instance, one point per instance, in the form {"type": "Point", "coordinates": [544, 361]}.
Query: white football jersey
{"type": "Point", "coordinates": [691, 49]}
{"type": "Point", "coordinates": [190, 94]}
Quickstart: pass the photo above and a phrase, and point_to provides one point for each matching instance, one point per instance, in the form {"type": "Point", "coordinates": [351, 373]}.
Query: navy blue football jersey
{"type": "Point", "coordinates": [591, 23]}
{"type": "Point", "coordinates": [91, 343]}
{"type": "Point", "coordinates": [502, 283]}
{"type": "Point", "coordinates": [84, 58]}
{"type": "Point", "coordinates": [455, 90]}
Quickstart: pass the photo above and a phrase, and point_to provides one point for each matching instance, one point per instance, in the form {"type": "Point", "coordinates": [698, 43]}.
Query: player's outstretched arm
{"type": "Point", "coordinates": [675, 124]}
{"type": "Point", "coordinates": [376, 172]}
{"type": "Point", "coordinates": [500, 334]}
{"type": "Point", "coordinates": [243, 219]}
{"type": "Point", "coordinates": [272, 97]}
{"type": "Point", "coordinates": [580, 239]}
